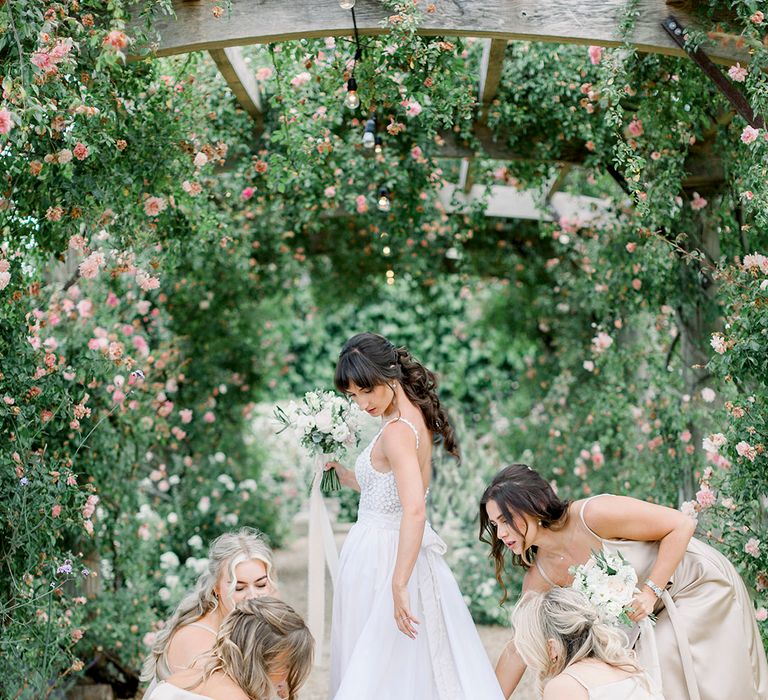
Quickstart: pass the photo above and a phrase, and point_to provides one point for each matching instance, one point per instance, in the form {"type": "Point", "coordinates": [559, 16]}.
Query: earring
{"type": "Point", "coordinates": [539, 521]}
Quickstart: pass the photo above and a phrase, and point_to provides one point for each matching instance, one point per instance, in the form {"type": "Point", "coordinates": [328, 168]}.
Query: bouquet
{"type": "Point", "coordinates": [609, 582]}
{"type": "Point", "coordinates": [326, 425]}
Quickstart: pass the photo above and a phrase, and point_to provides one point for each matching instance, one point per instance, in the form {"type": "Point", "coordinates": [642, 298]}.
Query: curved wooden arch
{"type": "Point", "coordinates": [194, 28]}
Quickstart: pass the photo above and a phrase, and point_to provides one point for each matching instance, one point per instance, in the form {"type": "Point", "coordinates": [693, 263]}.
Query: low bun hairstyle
{"type": "Point", "coordinates": [369, 360]}
{"type": "Point", "coordinates": [519, 489]}
{"type": "Point", "coordinates": [567, 618]}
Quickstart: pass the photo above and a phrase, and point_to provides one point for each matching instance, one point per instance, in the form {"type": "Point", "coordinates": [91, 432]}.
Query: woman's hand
{"type": "Point", "coordinates": [346, 476]}
{"type": "Point", "coordinates": [642, 605]}
{"type": "Point", "coordinates": [403, 619]}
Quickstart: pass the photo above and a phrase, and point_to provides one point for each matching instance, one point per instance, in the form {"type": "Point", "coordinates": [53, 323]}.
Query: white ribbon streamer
{"type": "Point", "coordinates": [322, 553]}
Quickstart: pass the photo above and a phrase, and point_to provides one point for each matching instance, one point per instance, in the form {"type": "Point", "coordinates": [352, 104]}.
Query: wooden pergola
{"type": "Point", "coordinates": [496, 22]}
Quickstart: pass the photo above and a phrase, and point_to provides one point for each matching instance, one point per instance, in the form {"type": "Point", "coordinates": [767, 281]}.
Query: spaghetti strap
{"type": "Point", "coordinates": [576, 678]}
{"type": "Point", "coordinates": [408, 423]}
{"type": "Point", "coordinates": [584, 522]}
{"type": "Point", "coordinates": [203, 626]}
{"type": "Point", "coordinates": [544, 575]}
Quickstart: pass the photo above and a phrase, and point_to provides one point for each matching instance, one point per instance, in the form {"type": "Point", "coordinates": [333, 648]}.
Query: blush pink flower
{"type": "Point", "coordinates": [761, 614]}
{"type": "Point", "coordinates": [209, 417]}
{"type": "Point", "coordinates": [56, 511]}
{"type": "Point", "coordinates": [5, 280]}
{"type": "Point", "coordinates": [757, 17]}
{"type": "Point", "coordinates": [635, 128]}
{"type": "Point", "coordinates": [744, 449]}
{"type": "Point", "coordinates": [247, 193]}
{"type": "Point", "coordinates": [708, 395]}
{"type": "Point", "coordinates": [637, 284]}
{"type": "Point", "coordinates": [330, 192]}
{"type": "Point", "coordinates": [89, 268]}
{"type": "Point", "coordinates": [706, 497]}
{"type": "Point", "coordinates": [361, 204]}
{"type": "Point", "coordinates": [718, 343]}
{"type": "Point", "coordinates": [64, 156]}
{"type": "Point", "coordinates": [601, 342]}
{"type": "Point", "coordinates": [192, 188]}
{"type": "Point", "coordinates": [757, 262]}
{"type": "Point", "coordinates": [685, 436]}
{"type": "Point", "coordinates": [154, 205]}
{"type": "Point", "coordinates": [185, 414]}
{"type": "Point", "coordinates": [80, 151]}
{"type": "Point", "coordinates": [595, 54]}
{"type": "Point", "coordinates": [200, 159]}
{"type": "Point", "coordinates": [301, 79]}
{"type": "Point", "coordinates": [412, 108]}
{"type": "Point", "coordinates": [752, 547]}
{"type": "Point", "coordinates": [698, 202]}
{"type": "Point", "coordinates": [146, 282]}
{"type": "Point", "coordinates": [737, 73]}
{"type": "Point", "coordinates": [263, 74]}
{"type": "Point", "coordinates": [116, 40]}
{"type": "Point", "coordinates": [750, 134]}
{"type": "Point", "coordinates": [6, 121]}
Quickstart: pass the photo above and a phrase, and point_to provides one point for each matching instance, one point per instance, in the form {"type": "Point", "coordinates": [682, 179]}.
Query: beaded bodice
{"type": "Point", "coordinates": [378, 490]}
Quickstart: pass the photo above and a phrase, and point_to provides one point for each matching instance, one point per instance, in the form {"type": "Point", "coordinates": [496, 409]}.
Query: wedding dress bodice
{"type": "Point", "coordinates": [378, 490]}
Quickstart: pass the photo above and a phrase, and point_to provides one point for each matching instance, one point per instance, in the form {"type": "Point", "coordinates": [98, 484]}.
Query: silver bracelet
{"type": "Point", "coordinates": [656, 590]}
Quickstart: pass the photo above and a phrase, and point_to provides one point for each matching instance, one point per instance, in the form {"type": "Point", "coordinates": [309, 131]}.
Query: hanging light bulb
{"type": "Point", "coordinates": [384, 203]}
{"type": "Point", "coordinates": [352, 100]}
{"type": "Point", "coordinates": [369, 135]}
{"type": "Point", "coordinates": [346, 4]}
{"type": "Point", "coordinates": [378, 144]}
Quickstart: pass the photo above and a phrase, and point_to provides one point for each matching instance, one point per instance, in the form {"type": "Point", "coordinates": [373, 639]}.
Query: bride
{"type": "Point", "coordinates": [400, 626]}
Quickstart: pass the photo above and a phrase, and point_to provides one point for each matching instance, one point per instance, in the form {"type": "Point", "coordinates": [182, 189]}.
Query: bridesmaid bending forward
{"type": "Point", "coordinates": [705, 636]}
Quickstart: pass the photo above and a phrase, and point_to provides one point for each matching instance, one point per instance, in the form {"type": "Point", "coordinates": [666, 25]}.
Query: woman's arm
{"type": "Point", "coordinates": [399, 445]}
{"type": "Point", "coordinates": [510, 667]}
{"type": "Point", "coordinates": [346, 476]}
{"type": "Point", "coordinates": [620, 517]}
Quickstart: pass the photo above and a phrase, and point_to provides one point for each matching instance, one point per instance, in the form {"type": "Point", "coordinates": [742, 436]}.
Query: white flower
{"type": "Point", "coordinates": [226, 481]}
{"type": "Point", "coordinates": [197, 565]}
{"type": "Point", "coordinates": [164, 594]}
{"type": "Point", "coordinates": [172, 518]}
{"type": "Point", "coordinates": [707, 394]}
{"type": "Point", "coordinates": [204, 505]}
{"type": "Point", "coordinates": [196, 542]}
{"type": "Point", "coordinates": [168, 560]}
{"type": "Point", "coordinates": [171, 580]}
{"type": "Point", "coordinates": [324, 420]}
{"type": "Point", "coordinates": [248, 485]}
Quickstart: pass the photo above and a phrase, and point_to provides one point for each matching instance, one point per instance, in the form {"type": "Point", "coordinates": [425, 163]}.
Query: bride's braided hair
{"type": "Point", "coordinates": [369, 360]}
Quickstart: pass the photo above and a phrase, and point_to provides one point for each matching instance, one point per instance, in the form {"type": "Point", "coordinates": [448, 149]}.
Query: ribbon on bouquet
{"type": "Point", "coordinates": [322, 553]}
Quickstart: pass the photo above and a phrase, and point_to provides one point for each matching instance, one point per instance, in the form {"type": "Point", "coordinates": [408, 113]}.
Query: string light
{"type": "Point", "coordinates": [378, 144]}
{"type": "Point", "coordinates": [369, 135]}
{"type": "Point", "coordinates": [384, 203]}
{"type": "Point", "coordinates": [346, 4]}
{"type": "Point", "coordinates": [386, 250]}
{"type": "Point", "coordinates": [390, 276]}
{"type": "Point", "coordinates": [352, 100]}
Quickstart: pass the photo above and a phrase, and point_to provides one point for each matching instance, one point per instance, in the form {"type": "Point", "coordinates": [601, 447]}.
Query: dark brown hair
{"type": "Point", "coordinates": [518, 489]}
{"type": "Point", "coordinates": [369, 360]}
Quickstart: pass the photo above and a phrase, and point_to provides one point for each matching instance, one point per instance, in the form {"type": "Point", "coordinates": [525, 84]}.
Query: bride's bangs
{"type": "Point", "coordinates": [356, 368]}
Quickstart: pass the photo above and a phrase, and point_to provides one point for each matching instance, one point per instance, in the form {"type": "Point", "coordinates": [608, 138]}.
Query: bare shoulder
{"type": "Point", "coordinates": [398, 436]}
{"type": "Point", "coordinates": [187, 643]}
{"type": "Point", "coordinates": [564, 687]}
{"type": "Point", "coordinates": [221, 687]}
{"type": "Point", "coordinates": [534, 581]}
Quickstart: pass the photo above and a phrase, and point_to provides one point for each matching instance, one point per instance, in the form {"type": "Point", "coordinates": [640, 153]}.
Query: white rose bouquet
{"type": "Point", "coordinates": [326, 424]}
{"type": "Point", "coordinates": [610, 584]}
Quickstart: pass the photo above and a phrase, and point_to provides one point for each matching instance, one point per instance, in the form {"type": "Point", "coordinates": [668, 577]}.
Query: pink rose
{"type": "Point", "coordinates": [761, 614]}
{"type": "Point", "coordinates": [247, 193]}
{"type": "Point", "coordinates": [706, 497]}
{"type": "Point", "coordinates": [330, 192]}
{"type": "Point", "coordinates": [595, 54]}
{"type": "Point", "coordinates": [186, 415]}
{"type": "Point", "coordinates": [718, 343]}
{"type": "Point", "coordinates": [757, 17]}
{"type": "Point", "coordinates": [301, 79]}
{"type": "Point", "coordinates": [737, 73]}
{"type": "Point", "coordinates": [154, 205]}
{"type": "Point", "coordinates": [631, 247]}
{"type": "Point", "coordinates": [56, 511]}
{"type": "Point", "coordinates": [89, 268]}
{"type": "Point", "coordinates": [116, 40]}
{"type": "Point", "coordinates": [636, 284]}
{"type": "Point", "coordinates": [6, 121]}
{"type": "Point", "coordinates": [209, 417]}
{"type": "Point", "coordinates": [80, 151]}
{"type": "Point", "coordinates": [412, 108]}
{"type": "Point", "coordinates": [361, 204]}
{"type": "Point", "coordinates": [698, 202]}
{"type": "Point", "coordinates": [685, 436]}
{"type": "Point", "coordinates": [64, 156]}
{"type": "Point", "coordinates": [263, 74]}
{"type": "Point", "coordinates": [635, 128]}
{"type": "Point", "coordinates": [752, 547]}
{"type": "Point", "coordinates": [749, 134]}
{"type": "Point", "coordinates": [746, 450]}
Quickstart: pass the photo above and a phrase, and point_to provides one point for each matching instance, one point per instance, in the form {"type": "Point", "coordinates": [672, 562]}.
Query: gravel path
{"type": "Point", "coordinates": [291, 565]}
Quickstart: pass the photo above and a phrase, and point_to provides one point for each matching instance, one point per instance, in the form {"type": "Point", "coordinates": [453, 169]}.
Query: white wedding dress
{"type": "Point", "coordinates": [370, 658]}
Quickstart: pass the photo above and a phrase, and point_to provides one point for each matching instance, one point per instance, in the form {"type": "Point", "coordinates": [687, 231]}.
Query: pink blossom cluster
{"type": "Point", "coordinates": [412, 107]}
{"type": "Point", "coordinates": [5, 275]}
{"type": "Point", "coordinates": [744, 449]}
{"type": "Point", "coordinates": [601, 342]}
{"type": "Point", "coordinates": [89, 268]}
{"type": "Point", "coordinates": [48, 60]}
{"type": "Point", "coordinates": [718, 343]}
{"type": "Point", "coordinates": [752, 547]}
{"type": "Point", "coordinates": [6, 121]}
{"type": "Point", "coordinates": [756, 262]}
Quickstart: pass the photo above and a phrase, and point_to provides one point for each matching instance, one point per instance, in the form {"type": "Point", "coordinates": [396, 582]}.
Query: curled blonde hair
{"type": "Point", "coordinates": [257, 637]}
{"type": "Point", "coordinates": [566, 617]}
{"type": "Point", "coordinates": [224, 554]}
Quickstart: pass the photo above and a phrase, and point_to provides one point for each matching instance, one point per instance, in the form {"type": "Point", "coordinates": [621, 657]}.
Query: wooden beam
{"type": "Point", "coordinates": [491, 65]}
{"type": "Point", "coordinates": [510, 203]}
{"type": "Point", "coordinates": [240, 79]}
{"type": "Point", "coordinates": [194, 28]}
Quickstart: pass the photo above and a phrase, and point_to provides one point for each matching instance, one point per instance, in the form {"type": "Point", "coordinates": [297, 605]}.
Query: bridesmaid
{"type": "Point", "coordinates": [708, 643]}
{"type": "Point", "coordinates": [239, 567]}
{"type": "Point", "coordinates": [261, 646]}
{"type": "Point", "coordinates": [574, 653]}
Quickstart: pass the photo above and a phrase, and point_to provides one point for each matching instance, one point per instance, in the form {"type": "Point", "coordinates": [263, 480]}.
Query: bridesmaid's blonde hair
{"type": "Point", "coordinates": [224, 554]}
{"type": "Point", "coordinates": [566, 617]}
{"type": "Point", "coordinates": [257, 637]}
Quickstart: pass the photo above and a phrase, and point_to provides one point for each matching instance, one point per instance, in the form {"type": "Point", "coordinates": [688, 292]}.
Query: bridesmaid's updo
{"type": "Point", "coordinates": [565, 618]}
{"type": "Point", "coordinates": [369, 360]}
{"type": "Point", "coordinates": [518, 489]}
